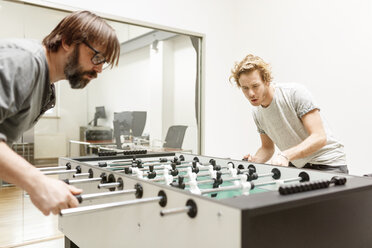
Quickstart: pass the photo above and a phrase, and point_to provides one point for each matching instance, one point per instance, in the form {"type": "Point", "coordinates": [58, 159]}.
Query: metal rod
{"type": "Point", "coordinates": [227, 188]}
{"type": "Point", "coordinates": [79, 142]}
{"type": "Point", "coordinates": [265, 175]}
{"type": "Point", "coordinates": [59, 172]}
{"type": "Point", "coordinates": [52, 168]}
{"type": "Point", "coordinates": [155, 162]}
{"type": "Point", "coordinates": [81, 175]}
{"type": "Point", "coordinates": [203, 182]}
{"type": "Point", "coordinates": [231, 179]}
{"type": "Point", "coordinates": [159, 166]}
{"type": "Point", "coordinates": [106, 194]}
{"type": "Point", "coordinates": [130, 160]}
{"type": "Point", "coordinates": [275, 181]}
{"type": "Point", "coordinates": [108, 185]}
{"type": "Point", "coordinates": [292, 179]}
{"type": "Point", "coordinates": [175, 210]}
{"type": "Point", "coordinates": [93, 208]}
{"type": "Point", "coordinates": [87, 180]}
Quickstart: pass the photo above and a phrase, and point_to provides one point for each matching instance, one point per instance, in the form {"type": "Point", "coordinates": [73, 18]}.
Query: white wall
{"type": "Point", "coordinates": [184, 79]}
{"type": "Point", "coordinates": [327, 46]}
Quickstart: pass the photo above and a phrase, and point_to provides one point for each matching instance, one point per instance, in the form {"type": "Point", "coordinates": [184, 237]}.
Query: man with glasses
{"type": "Point", "coordinates": [286, 116]}
{"type": "Point", "coordinates": [77, 50]}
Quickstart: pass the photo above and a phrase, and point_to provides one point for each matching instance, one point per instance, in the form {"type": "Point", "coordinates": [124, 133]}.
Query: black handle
{"type": "Point", "coordinates": [308, 186]}
{"type": "Point", "coordinates": [79, 198]}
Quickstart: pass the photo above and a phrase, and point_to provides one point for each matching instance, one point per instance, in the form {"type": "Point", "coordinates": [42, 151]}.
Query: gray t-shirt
{"type": "Point", "coordinates": [25, 89]}
{"type": "Point", "coordinates": [281, 121]}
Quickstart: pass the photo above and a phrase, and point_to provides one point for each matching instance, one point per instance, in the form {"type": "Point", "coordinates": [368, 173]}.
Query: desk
{"type": "Point", "coordinates": [167, 149]}
{"type": "Point", "coordinates": [110, 145]}
{"type": "Point", "coordinates": [85, 148]}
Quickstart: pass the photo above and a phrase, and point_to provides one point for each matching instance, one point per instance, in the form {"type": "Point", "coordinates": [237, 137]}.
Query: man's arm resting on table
{"type": "Point", "coordinates": [47, 194]}
{"type": "Point", "coordinates": [264, 153]}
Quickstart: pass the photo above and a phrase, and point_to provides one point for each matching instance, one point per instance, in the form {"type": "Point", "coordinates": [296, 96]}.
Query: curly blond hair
{"type": "Point", "coordinates": [249, 64]}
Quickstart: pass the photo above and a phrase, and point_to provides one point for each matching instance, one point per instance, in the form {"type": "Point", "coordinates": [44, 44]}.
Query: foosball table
{"type": "Point", "coordinates": [184, 200]}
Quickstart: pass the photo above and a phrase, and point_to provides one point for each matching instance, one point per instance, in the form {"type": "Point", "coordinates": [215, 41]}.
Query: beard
{"type": "Point", "coordinates": [74, 72]}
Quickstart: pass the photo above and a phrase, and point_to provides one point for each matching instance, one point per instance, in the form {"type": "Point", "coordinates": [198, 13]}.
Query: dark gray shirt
{"type": "Point", "coordinates": [281, 121]}
{"type": "Point", "coordinates": [25, 89]}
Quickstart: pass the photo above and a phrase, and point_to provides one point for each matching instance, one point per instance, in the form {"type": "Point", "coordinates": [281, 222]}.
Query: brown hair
{"type": "Point", "coordinates": [82, 26]}
{"type": "Point", "coordinates": [249, 64]}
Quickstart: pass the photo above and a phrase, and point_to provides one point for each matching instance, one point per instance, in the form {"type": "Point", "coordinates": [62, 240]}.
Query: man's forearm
{"type": "Point", "coordinates": [16, 170]}
{"type": "Point", "coordinates": [307, 147]}
{"type": "Point", "coordinates": [263, 155]}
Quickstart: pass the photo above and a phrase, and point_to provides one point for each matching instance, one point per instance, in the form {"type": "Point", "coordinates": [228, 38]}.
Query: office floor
{"type": "Point", "coordinates": [23, 225]}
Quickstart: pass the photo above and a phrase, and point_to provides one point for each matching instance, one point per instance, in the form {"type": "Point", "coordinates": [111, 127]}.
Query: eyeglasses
{"type": "Point", "coordinates": [98, 57]}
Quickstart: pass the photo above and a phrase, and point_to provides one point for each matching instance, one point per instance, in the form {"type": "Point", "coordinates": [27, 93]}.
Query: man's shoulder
{"type": "Point", "coordinates": [21, 53]}
{"type": "Point", "coordinates": [296, 95]}
{"type": "Point", "coordinates": [290, 89]}
{"type": "Point", "coordinates": [20, 60]}
{"type": "Point", "coordinates": [20, 49]}
{"type": "Point", "coordinates": [289, 86]}
{"type": "Point", "coordinates": [20, 44]}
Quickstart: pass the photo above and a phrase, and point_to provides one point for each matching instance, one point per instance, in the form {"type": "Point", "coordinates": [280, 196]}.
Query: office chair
{"type": "Point", "coordinates": [175, 136]}
{"type": "Point", "coordinates": [128, 121]}
{"type": "Point", "coordinates": [138, 123]}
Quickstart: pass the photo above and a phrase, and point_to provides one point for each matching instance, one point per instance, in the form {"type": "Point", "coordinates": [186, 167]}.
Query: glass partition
{"type": "Point", "coordinates": [158, 74]}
